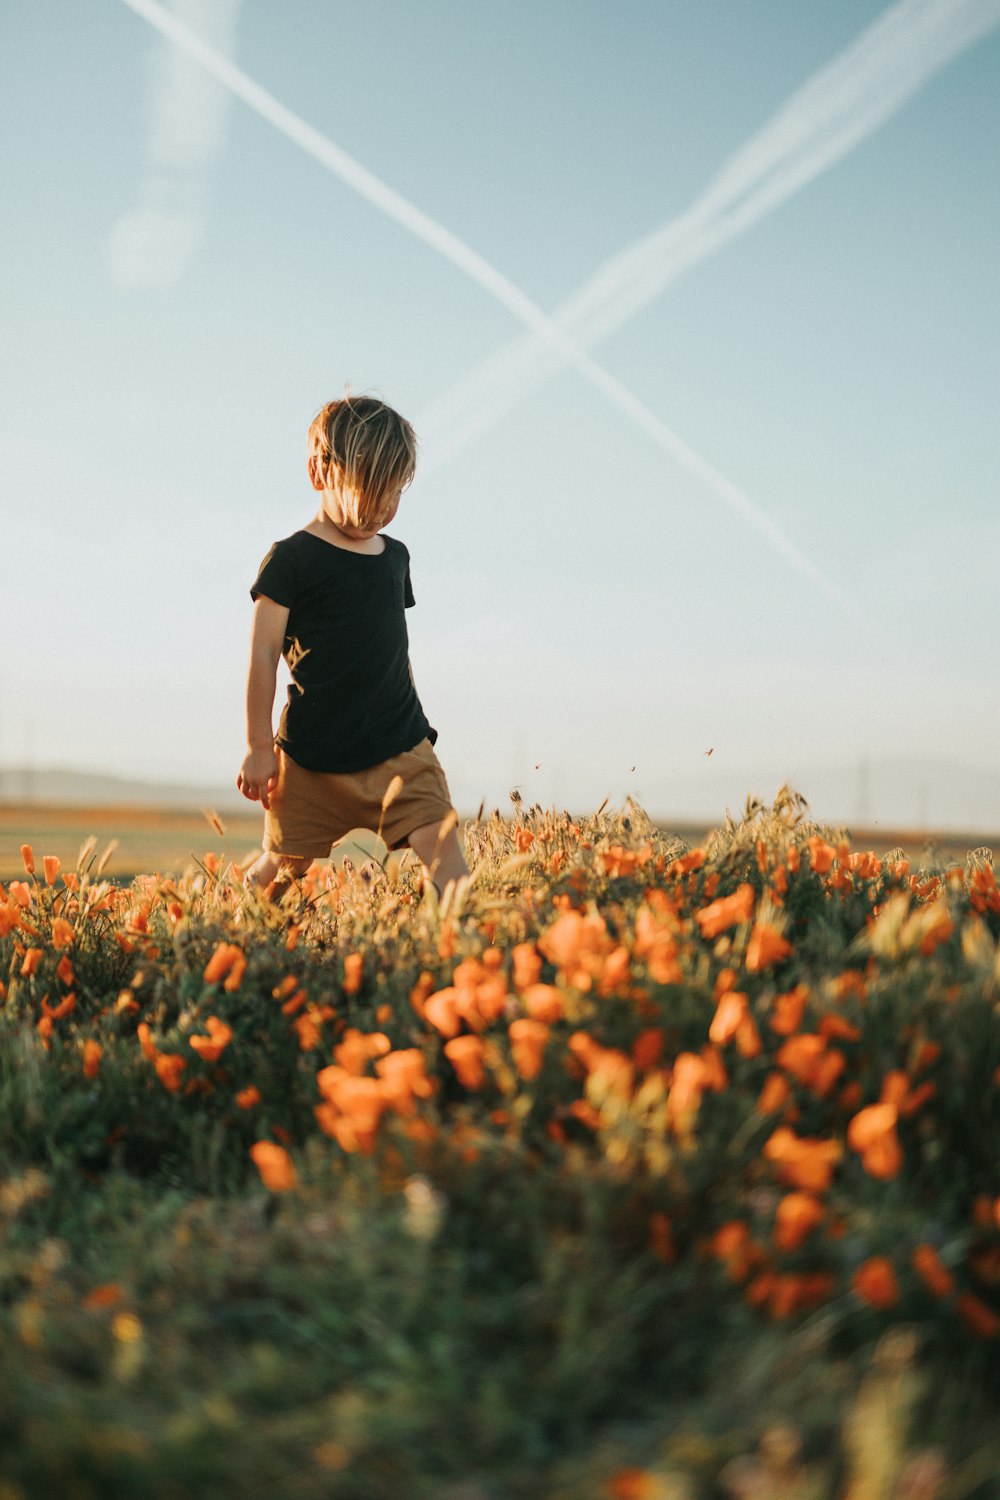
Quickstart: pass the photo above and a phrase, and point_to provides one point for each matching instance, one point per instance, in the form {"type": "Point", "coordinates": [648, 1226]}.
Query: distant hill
{"type": "Point", "coordinates": [905, 793]}
{"type": "Point", "coordinates": [66, 787]}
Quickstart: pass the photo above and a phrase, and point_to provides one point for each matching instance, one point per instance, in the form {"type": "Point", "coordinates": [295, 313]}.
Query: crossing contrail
{"type": "Point", "coordinates": [548, 331]}
{"type": "Point", "coordinates": [153, 242]}
{"type": "Point", "coordinates": [836, 109]}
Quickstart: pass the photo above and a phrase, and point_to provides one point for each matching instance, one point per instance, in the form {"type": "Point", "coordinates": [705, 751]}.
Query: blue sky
{"type": "Point", "coordinates": [584, 604]}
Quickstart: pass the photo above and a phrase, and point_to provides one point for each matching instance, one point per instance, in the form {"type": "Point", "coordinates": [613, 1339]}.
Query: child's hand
{"type": "Point", "coordinates": [258, 775]}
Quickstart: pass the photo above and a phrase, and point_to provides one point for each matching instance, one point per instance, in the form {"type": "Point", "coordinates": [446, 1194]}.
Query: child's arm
{"type": "Point", "coordinates": [258, 774]}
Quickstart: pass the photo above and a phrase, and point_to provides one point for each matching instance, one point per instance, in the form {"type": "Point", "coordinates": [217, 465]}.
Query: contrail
{"type": "Point", "coordinates": [836, 109]}
{"type": "Point", "coordinates": [475, 266]}
{"type": "Point", "coordinates": [153, 242]}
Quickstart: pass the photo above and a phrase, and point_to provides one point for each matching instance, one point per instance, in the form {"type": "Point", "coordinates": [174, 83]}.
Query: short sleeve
{"type": "Point", "coordinates": [276, 577]}
{"type": "Point", "coordinates": [408, 599]}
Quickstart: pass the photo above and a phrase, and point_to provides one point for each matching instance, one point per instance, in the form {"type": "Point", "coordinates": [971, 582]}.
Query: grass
{"type": "Point", "coordinates": [627, 1170]}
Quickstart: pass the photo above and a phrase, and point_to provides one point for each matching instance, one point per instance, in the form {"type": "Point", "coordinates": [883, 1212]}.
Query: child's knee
{"type": "Point", "coordinates": [281, 867]}
{"type": "Point", "coordinates": [428, 845]}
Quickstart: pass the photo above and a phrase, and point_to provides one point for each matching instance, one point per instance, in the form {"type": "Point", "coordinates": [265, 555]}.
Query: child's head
{"type": "Point", "coordinates": [364, 454]}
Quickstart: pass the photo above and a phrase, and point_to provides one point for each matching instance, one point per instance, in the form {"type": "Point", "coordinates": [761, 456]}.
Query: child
{"type": "Point", "coordinates": [330, 599]}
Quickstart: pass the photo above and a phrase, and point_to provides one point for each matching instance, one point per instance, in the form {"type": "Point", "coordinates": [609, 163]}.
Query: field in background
{"type": "Point", "coordinates": [150, 839]}
{"type": "Point", "coordinates": [166, 840]}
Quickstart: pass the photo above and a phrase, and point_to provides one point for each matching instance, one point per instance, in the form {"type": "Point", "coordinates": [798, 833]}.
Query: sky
{"type": "Point", "coordinates": [694, 309]}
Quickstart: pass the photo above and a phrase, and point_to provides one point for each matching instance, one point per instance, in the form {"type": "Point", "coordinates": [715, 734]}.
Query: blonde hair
{"type": "Point", "coordinates": [366, 453]}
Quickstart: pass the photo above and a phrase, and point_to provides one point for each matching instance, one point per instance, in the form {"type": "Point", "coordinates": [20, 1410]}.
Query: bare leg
{"type": "Point", "coordinates": [441, 861]}
{"type": "Point", "coordinates": [263, 872]}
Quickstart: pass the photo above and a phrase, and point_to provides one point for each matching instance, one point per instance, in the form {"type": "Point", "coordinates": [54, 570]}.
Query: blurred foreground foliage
{"type": "Point", "coordinates": [623, 1170]}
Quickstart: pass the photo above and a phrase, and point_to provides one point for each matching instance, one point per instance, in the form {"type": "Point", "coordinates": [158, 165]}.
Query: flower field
{"type": "Point", "coordinates": [624, 1170]}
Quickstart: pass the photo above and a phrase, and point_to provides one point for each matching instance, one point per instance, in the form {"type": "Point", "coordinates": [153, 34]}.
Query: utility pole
{"type": "Point", "coordinates": [864, 792]}
{"type": "Point", "coordinates": [27, 777]}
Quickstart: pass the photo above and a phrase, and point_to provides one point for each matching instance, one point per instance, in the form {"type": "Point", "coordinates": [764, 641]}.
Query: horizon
{"type": "Point", "coordinates": [835, 793]}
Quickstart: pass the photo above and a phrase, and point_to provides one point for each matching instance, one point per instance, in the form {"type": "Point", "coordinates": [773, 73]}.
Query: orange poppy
{"type": "Point", "coordinates": [935, 926]}
{"type": "Point", "coordinates": [354, 1051]}
{"type": "Point", "coordinates": [108, 1294]}
{"type": "Point", "coordinates": [688, 1082]}
{"type": "Point", "coordinates": [874, 1282]}
{"type": "Point", "coordinates": [833, 1025]}
{"type": "Point", "coordinates": [62, 933]}
{"type": "Point", "coordinates": [308, 1027]}
{"type": "Point", "coordinates": [661, 1239]}
{"type": "Point", "coordinates": [441, 1010]}
{"type": "Point", "coordinates": [731, 1243]}
{"type": "Point", "coordinates": [766, 947]}
{"type": "Point", "coordinates": [465, 1053]}
{"type": "Point", "coordinates": [615, 971]}
{"type": "Point", "coordinates": [249, 1097]}
{"type": "Point", "coordinates": [932, 1271]}
{"type": "Point", "coordinates": [223, 958]}
{"type": "Point", "coordinates": [872, 1133]}
{"type": "Point", "coordinates": [404, 1078]}
{"type": "Point", "coordinates": [210, 1048]}
{"type": "Point", "coordinates": [729, 1238]}
{"type": "Point", "coordinates": [647, 1048]}
{"type": "Point", "coordinates": [52, 864]}
{"type": "Point", "coordinates": [633, 1484]}
{"type": "Point", "coordinates": [169, 1067]}
{"type": "Point", "coordinates": [715, 1074]}
{"type": "Point", "coordinates": [145, 1036]}
{"type": "Point", "coordinates": [612, 1068]}
{"type": "Point", "coordinates": [354, 1108]}
{"type": "Point", "coordinates": [527, 965]}
{"type": "Point", "coordinates": [576, 944]}
{"type": "Point", "coordinates": [543, 1002]}
{"type": "Point", "coordinates": [92, 1054]}
{"type": "Point", "coordinates": [977, 1317]}
{"type": "Point", "coordinates": [791, 1292]}
{"type": "Point", "coordinates": [481, 1001]}
{"type": "Point", "coordinates": [726, 912]}
{"type": "Point", "coordinates": [731, 1011]}
{"type": "Point", "coordinates": [821, 854]}
{"type": "Point", "coordinates": [925, 1055]}
{"type": "Point", "coordinates": [28, 858]}
{"type": "Point", "coordinates": [275, 1166]}
{"type": "Point", "coordinates": [294, 1003]}
{"type": "Point", "coordinates": [424, 986]}
{"type": "Point", "coordinates": [799, 1055]}
{"type": "Point", "coordinates": [773, 1095]}
{"type": "Point", "coordinates": [20, 893]}
{"type": "Point", "coordinates": [796, 1217]}
{"type": "Point", "coordinates": [32, 959]}
{"type": "Point", "coordinates": [527, 1044]}
{"type": "Point", "coordinates": [65, 1007]}
{"type": "Point", "coordinates": [788, 1009]}
{"type": "Point", "coordinates": [803, 1161]}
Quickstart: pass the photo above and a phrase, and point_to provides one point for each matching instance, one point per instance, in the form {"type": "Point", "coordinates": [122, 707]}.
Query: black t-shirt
{"type": "Point", "coordinates": [352, 702]}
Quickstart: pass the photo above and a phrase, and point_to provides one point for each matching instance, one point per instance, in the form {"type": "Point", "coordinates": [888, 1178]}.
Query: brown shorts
{"type": "Point", "coordinates": [310, 810]}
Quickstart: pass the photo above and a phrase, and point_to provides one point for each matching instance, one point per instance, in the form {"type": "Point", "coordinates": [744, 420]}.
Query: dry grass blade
{"type": "Point", "coordinates": [515, 862]}
{"type": "Point", "coordinates": [86, 850]}
{"type": "Point", "coordinates": [392, 791]}
{"type": "Point", "coordinates": [448, 822]}
{"type": "Point", "coordinates": [106, 856]}
{"type": "Point", "coordinates": [214, 820]}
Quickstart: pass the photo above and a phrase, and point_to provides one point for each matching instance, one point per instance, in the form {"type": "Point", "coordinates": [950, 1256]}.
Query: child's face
{"type": "Point", "coordinates": [334, 512]}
